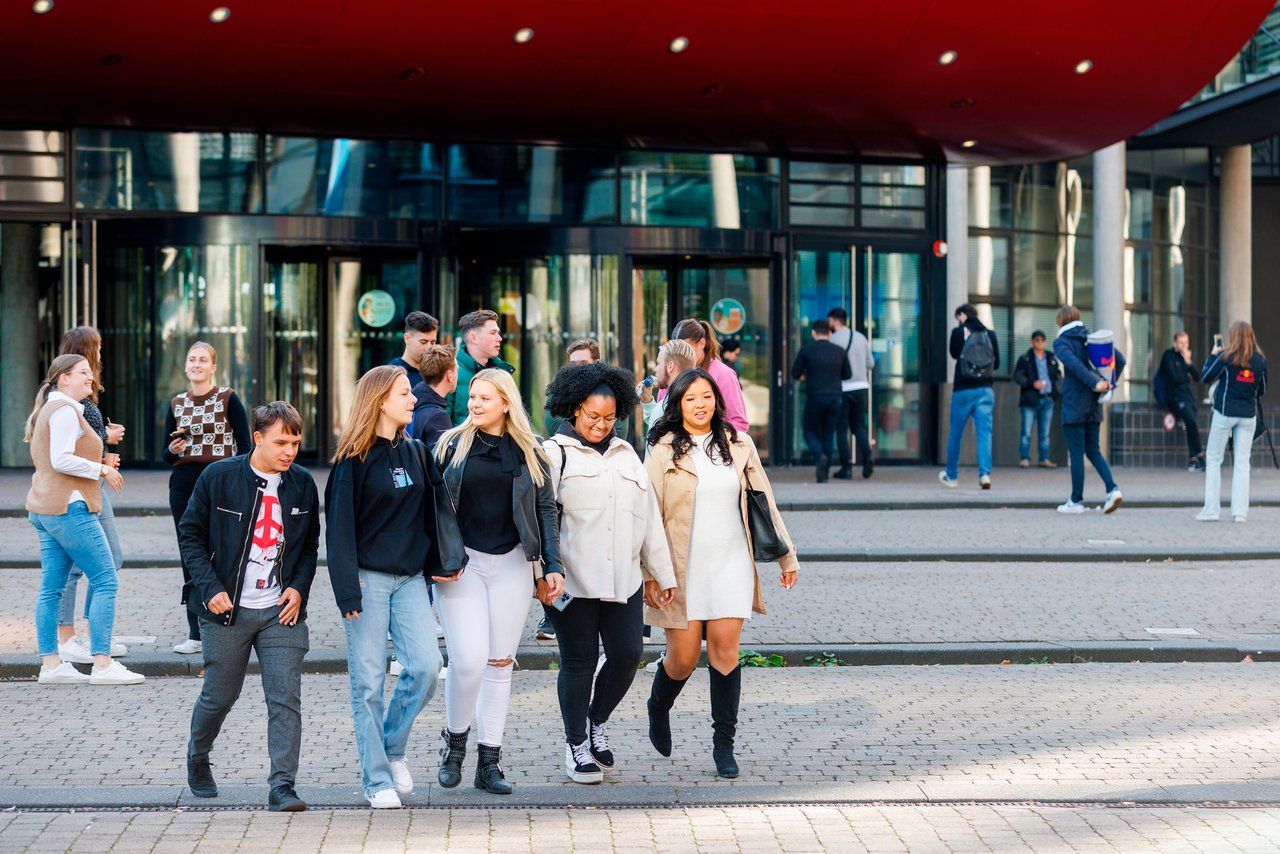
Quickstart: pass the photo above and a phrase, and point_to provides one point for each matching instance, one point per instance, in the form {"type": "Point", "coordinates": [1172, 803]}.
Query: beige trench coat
{"type": "Point", "coordinates": [675, 484]}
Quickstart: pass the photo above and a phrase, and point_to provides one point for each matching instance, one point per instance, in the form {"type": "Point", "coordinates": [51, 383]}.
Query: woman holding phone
{"type": "Point", "coordinates": [202, 425]}
{"type": "Point", "coordinates": [610, 524]}
{"type": "Point", "coordinates": [496, 474]}
{"type": "Point", "coordinates": [1241, 375]}
{"type": "Point", "coordinates": [389, 524]}
{"type": "Point", "coordinates": [701, 468]}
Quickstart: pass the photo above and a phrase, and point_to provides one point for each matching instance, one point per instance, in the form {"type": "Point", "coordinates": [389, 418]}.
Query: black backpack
{"type": "Point", "coordinates": [977, 356]}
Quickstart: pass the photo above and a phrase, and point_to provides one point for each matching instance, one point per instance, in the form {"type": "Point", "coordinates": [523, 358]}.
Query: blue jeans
{"type": "Point", "coordinates": [1082, 441]}
{"type": "Point", "coordinates": [1241, 430]}
{"type": "Point", "coordinates": [76, 537]}
{"type": "Point", "coordinates": [1044, 412]}
{"type": "Point", "coordinates": [976, 402]}
{"type": "Point", "coordinates": [397, 603]}
{"type": "Point", "coordinates": [67, 611]}
{"type": "Point", "coordinates": [821, 412]}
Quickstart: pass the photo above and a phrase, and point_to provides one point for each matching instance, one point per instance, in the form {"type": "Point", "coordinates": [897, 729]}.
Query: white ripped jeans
{"type": "Point", "coordinates": [483, 614]}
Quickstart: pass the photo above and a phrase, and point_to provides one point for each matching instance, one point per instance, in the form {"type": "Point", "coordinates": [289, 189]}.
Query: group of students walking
{"type": "Point", "coordinates": [482, 517]}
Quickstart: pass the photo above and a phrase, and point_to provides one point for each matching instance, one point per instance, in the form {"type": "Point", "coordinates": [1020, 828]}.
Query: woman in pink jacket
{"type": "Point", "coordinates": [700, 335]}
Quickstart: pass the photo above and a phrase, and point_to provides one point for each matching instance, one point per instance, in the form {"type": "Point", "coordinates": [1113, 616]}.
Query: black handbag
{"type": "Point", "coordinates": [766, 544]}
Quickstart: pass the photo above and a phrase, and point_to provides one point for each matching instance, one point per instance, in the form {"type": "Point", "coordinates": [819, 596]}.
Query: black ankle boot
{"type": "Point", "coordinates": [661, 698]}
{"type": "Point", "coordinates": [451, 756]}
{"type": "Point", "coordinates": [489, 772]}
{"type": "Point", "coordinates": [726, 689]}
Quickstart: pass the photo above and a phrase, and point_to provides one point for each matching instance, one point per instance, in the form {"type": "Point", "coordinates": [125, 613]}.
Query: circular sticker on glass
{"type": "Point", "coordinates": [728, 316]}
{"type": "Point", "coordinates": [376, 308]}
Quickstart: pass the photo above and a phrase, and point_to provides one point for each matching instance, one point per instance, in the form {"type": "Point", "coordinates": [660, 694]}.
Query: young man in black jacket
{"type": "Point", "coordinates": [971, 396]}
{"type": "Point", "coordinates": [250, 538]}
{"type": "Point", "coordinates": [439, 369]}
{"type": "Point", "coordinates": [823, 366]}
{"type": "Point", "coordinates": [1038, 374]}
{"type": "Point", "coordinates": [1179, 372]}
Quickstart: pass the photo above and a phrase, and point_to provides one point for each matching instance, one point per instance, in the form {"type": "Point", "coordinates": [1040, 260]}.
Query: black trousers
{"type": "Point", "coordinates": [1185, 411]}
{"type": "Point", "coordinates": [181, 484]}
{"type": "Point", "coordinates": [580, 629]}
{"type": "Point", "coordinates": [853, 417]}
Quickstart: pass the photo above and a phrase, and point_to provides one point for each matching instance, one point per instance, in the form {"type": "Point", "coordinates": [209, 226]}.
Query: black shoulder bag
{"type": "Point", "coordinates": [766, 544]}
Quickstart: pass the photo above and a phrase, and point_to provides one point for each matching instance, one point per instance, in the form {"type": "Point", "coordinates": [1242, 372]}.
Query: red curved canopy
{"type": "Point", "coordinates": [838, 77]}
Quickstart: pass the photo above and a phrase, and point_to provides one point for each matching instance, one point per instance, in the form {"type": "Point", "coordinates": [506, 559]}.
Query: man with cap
{"type": "Point", "coordinates": [1041, 380]}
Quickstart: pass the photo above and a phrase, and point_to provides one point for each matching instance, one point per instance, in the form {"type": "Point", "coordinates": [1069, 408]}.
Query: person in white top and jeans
{"type": "Point", "coordinates": [611, 524]}
{"type": "Point", "coordinates": [63, 506]}
{"type": "Point", "coordinates": [853, 409]}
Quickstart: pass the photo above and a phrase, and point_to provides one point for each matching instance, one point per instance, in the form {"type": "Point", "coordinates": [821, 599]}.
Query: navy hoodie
{"type": "Point", "coordinates": [1238, 389]}
{"type": "Point", "coordinates": [1079, 400]}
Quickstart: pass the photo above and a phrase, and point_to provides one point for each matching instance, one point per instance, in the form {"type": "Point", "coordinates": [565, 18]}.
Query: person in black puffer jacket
{"type": "Point", "coordinates": [1241, 373]}
{"type": "Point", "coordinates": [1179, 372]}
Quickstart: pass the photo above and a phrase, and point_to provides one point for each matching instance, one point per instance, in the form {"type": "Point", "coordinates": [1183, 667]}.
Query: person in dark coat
{"type": "Point", "coordinates": [1241, 373]}
{"type": "Point", "coordinates": [1178, 373]}
{"type": "Point", "coordinates": [1041, 381]}
{"type": "Point", "coordinates": [431, 411]}
{"type": "Point", "coordinates": [1082, 386]}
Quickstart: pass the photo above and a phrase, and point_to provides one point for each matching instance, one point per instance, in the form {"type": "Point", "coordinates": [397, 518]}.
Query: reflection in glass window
{"type": "Point", "coordinates": [707, 190]}
{"type": "Point", "coordinates": [32, 166]}
{"type": "Point", "coordinates": [196, 172]}
{"type": "Point", "coordinates": [351, 177]}
{"type": "Point", "coordinates": [988, 266]}
{"type": "Point", "coordinates": [519, 183]}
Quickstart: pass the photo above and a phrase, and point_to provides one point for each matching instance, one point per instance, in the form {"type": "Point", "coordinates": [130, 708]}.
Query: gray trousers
{"type": "Point", "coordinates": [226, 660]}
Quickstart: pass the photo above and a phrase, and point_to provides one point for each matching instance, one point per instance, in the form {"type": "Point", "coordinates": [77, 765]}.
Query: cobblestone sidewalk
{"type": "Point", "coordinates": [739, 829]}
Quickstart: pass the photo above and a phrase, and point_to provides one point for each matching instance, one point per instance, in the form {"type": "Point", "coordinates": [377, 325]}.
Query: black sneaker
{"type": "Point", "coordinates": [285, 799]}
{"type": "Point", "coordinates": [545, 630]}
{"type": "Point", "coordinates": [845, 473]}
{"type": "Point", "coordinates": [579, 765]}
{"type": "Point", "coordinates": [200, 779]}
{"type": "Point", "coordinates": [822, 468]}
{"type": "Point", "coordinates": [600, 751]}
{"type": "Point", "coordinates": [868, 468]}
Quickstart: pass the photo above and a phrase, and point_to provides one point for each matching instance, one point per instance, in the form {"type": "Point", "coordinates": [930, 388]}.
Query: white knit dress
{"type": "Point", "coordinates": [720, 579]}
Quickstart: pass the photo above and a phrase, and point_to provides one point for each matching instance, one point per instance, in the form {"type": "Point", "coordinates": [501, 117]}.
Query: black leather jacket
{"type": "Point", "coordinates": [215, 532]}
{"type": "Point", "coordinates": [534, 508]}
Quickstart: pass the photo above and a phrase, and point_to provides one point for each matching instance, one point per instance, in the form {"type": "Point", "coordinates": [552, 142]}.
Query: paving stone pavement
{"type": "Point", "coordinates": [1143, 733]}
{"type": "Point", "coordinates": [738, 829]}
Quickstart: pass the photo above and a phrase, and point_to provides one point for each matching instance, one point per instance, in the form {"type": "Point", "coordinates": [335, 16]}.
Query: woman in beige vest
{"type": "Point", "coordinates": [63, 506]}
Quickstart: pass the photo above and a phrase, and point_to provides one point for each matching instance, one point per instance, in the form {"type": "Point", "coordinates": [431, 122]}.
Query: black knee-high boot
{"type": "Point", "coordinates": [726, 689]}
{"type": "Point", "coordinates": [661, 698]}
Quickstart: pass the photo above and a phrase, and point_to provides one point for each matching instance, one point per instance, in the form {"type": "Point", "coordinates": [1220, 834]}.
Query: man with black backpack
{"type": "Point", "coordinates": [977, 356]}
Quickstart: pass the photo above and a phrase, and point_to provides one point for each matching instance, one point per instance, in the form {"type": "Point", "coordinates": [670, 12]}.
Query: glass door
{"type": "Point", "coordinates": [291, 329]}
{"type": "Point", "coordinates": [823, 281]}
{"type": "Point", "coordinates": [891, 309]}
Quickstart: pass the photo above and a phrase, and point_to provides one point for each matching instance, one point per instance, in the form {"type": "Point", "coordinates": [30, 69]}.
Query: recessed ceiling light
{"type": "Point", "coordinates": [947, 58]}
{"type": "Point", "coordinates": [219, 14]}
{"type": "Point", "coordinates": [41, 6]}
{"type": "Point", "coordinates": [523, 35]}
{"type": "Point", "coordinates": [678, 44]}
{"type": "Point", "coordinates": [1084, 66]}
{"type": "Point", "coordinates": [969, 143]}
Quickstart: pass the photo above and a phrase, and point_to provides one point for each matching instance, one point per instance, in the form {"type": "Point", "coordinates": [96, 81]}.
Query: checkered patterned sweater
{"type": "Point", "coordinates": [217, 425]}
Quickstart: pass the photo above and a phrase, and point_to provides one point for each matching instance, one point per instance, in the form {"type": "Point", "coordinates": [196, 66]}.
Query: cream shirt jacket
{"type": "Point", "coordinates": [611, 520]}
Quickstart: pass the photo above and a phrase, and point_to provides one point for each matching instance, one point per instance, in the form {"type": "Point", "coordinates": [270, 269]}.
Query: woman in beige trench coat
{"type": "Point", "coordinates": [701, 467]}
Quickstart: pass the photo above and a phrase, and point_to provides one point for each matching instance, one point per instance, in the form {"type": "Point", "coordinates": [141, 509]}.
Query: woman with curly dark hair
{"type": "Point", "coordinates": [698, 461]}
{"type": "Point", "coordinates": [610, 525]}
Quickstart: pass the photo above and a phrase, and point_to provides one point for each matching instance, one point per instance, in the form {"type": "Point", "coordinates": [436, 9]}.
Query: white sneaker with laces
{"type": "Point", "coordinates": [190, 646]}
{"type": "Point", "coordinates": [401, 777]}
{"type": "Point", "coordinates": [1206, 516]}
{"type": "Point", "coordinates": [118, 650]}
{"type": "Point", "coordinates": [387, 799]}
{"type": "Point", "coordinates": [63, 674]}
{"type": "Point", "coordinates": [1113, 501]}
{"type": "Point", "coordinates": [579, 765]}
{"type": "Point", "coordinates": [115, 673]}
{"type": "Point", "coordinates": [947, 481]}
{"type": "Point", "coordinates": [75, 650]}
{"type": "Point", "coordinates": [1073, 508]}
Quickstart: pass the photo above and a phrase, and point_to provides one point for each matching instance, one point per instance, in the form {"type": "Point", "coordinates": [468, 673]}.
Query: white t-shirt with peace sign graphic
{"type": "Point", "coordinates": [262, 575]}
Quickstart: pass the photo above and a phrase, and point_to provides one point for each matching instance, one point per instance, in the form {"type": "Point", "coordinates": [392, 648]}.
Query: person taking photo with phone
{"type": "Point", "coordinates": [707, 475]}
{"type": "Point", "coordinates": [609, 527]}
{"type": "Point", "coordinates": [496, 474]}
{"type": "Point", "coordinates": [1241, 373]}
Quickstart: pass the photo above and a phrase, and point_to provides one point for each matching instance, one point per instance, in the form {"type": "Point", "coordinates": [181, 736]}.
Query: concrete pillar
{"type": "Point", "coordinates": [1108, 246]}
{"type": "Point", "coordinates": [957, 252]}
{"type": "Point", "coordinates": [724, 192]}
{"type": "Point", "coordinates": [1235, 300]}
{"type": "Point", "coordinates": [19, 320]}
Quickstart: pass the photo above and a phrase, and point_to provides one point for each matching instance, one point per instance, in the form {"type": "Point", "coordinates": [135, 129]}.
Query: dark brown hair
{"type": "Point", "coordinates": [420, 321]}
{"type": "Point", "coordinates": [585, 344]}
{"type": "Point", "coordinates": [1068, 314]}
{"type": "Point", "coordinates": [474, 320]}
{"type": "Point", "coordinates": [270, 414]}
{"type": "Point", "coordinates": [694, 331]}
{"type": "Point", "coordinates": [85, 341]}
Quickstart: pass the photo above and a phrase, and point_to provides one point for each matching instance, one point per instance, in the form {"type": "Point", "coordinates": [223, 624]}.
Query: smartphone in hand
{"type": "Point", "coordinates": [562, 601]}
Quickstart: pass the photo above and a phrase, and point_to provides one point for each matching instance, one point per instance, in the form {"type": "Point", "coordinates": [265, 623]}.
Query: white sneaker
{"type": "Point", "coordinates": [63, 674]}
{"type": "Point", "coordinates": [601, 660]}
{"type": "Point", "coordinates": [444, 673]}
{"type": "Point", "coordinates": [579, 764]}
{"type": "Point", "coordinates": [1074, 508]}
{"type": "Point", "coordinates": [1113, 501]}
{"type": "Point", "coordinates": [984, 480]}
{"type": "Point", "coordinates": [387, 799]}
{"type": "Point", "coordinates": [439, 629]}
{"type": "Point", "coordinates": [400, 776]}
{"type": "Point", "coordinates": [190, 646]}
{"type": "Point", "coordinates": [75, 650]}
{"type": "Point", "coordinates": [947, 481]}
{"type": "Point", "coordinates": [1239, 519]}
{"type": "Point", "coordinates": [1206, 516]}
{"type": "Point", "coordinates": [115, 673]}
{"type": "Point", "coordinates": [652, 666]}
{"type": "Point", "coordinates": [396, 668]}
{"type": "Point", "coordinates": [118, 650]}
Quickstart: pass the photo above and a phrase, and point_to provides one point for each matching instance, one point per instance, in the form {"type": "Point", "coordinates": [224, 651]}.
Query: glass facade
{"type": "Point", "coordinates": [33, 166]}
{"type": "Point", "coordinates": [845, 195]}
{"type": "Point", "coordinates": [346, 177]}
{"type": "Point", "coordinates": [519, 183]}
{"type": "Point", "coordinates": [706, 190]}
{"type": "Point", "coordinates": [1257, 60]}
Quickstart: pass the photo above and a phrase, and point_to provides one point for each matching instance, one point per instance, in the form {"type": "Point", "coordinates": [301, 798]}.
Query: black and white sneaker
{"type": "Point", "coordinates": [579, 765]}
{"type": "Point", "coordinates": [600, 751]}
{"type": "Point", "coordinates": [546, 631]}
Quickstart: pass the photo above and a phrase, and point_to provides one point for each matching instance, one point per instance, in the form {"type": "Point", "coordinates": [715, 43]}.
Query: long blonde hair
{"type": "Point", "coordinates": [362, 421]}
{"type": "Point", "coordinates": [517, 424]}
{"type": "Point", "coordinates": [61, 366]}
